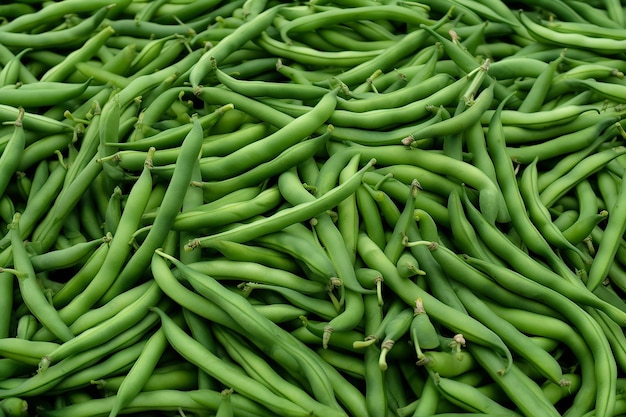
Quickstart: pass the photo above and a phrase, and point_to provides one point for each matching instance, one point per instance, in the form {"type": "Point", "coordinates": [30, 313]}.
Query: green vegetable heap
{"type": "Point", "coordinates": [331, 208]}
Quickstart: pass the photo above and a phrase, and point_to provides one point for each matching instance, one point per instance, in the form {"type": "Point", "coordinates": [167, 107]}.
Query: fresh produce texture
{"type": "Point", "coordinates": [332, 208]}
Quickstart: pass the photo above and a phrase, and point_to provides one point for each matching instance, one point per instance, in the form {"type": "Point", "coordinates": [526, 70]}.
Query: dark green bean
{"type": "Point", "coordinates": [287, 216]}
{"type": "Point", "coordinates": [61, 37]}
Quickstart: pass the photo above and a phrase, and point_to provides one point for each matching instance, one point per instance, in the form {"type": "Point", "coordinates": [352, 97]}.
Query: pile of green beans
{"type": "Point", "coordinates": [332, 208]}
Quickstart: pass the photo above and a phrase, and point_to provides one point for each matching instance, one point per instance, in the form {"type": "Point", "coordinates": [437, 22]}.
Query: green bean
{"type": "Point", "coordinates": [408, 266]}
{"type": "Point", "coordinates": [542, 360]}
{"type": "Point", "coordinates": [457, 123]}
{"type": "Point", "coordinates": [267, 148]}
{"type": "Point", "coordinates": [468, 397]}
{"type": "Point", "coordinates": [66, 258]}
{"type": "Point", "coordinates": [119, 361]}
{"type": "Point", "coordinates": [251, 361]}
{"type": "Point", "coordinates": [261, 330]}
{"type": "Point", "coordinates": [568, 162]}
{"type": "Point", "coordinates": [311, 56]}
{"type": "Point", "coordinates": [538, 213]}
{"type": "Point", "coordinates": [169, 208]}
{"type": "Point", "coordinates": [125, 319]}
{"type": "Point", "coordinates": [194, 220]}
{"type": "Point", "coordinates": [537, 94]}
{"type": "Point", "coordinates": [394, 191]}
{"type": "Point", "coordinates": [570, 142]}
{"type": "Point", "coordinates": [139, 373]}
{"type": "Point", "coordinates": [269, 89]}
{"type": "Point", "coordinates": [331, 16]}
{"type": "Point", "coordinates": [61, 37]}
{"type": "Point", "coordinates": [348, 215]}
{"type": "Point", "coordinates": [438, 310]}
{"type": "Point", "coordinates": [286, 159]}
{"type": "Point", "coordinates": [32, 294]}
{"type": "Point", "coordinates": [490, 198]}
{"type": "Point", "coordinates": [394, 246]}
{"type": "Point", "coordinates": [521, 261]}
{"type": "Point", "coordinates": [309, 302]}
{"type": "Point", "coordinates": [246, 270]}
{"type": "Point", "coordinates": [46, 231]}
{"type": "Point", "coordinates": [201, 357]}
{"type": "Point", "coordinates": [448, 364]}
{"type": "Point", "coordinates": [428, 400]}
{"type": "Point", "coordinates": [242, 34]}
{"type": "Point", "coordinates": [299, 245]}
{"type": "Point", "coordinates": [372, 221]}
{"type": "Point", "coordinates": [196, 401]}
{"type": "Point", "coordinates": [287, 216]}
{"type": "Point", "coordinates": [15, 146]}
{"type": "Point", "coordinates": [393, 116]}
{"type": "Point", "coordinates": [175, 376]}
{"type": "Point", "coordinates": [570, 40]}
{"type": "Point", "coordinates": [24, 350]}
{"type": "Point", "coordinates": [41, 382]}
{"type": "Point", "coordinates": [522, 390]}
{"type": "Point", "coordinates": [6, 283]}
{"type": "Point", "coordinates": [465, 237]}
{"type": "Point", "coordinates": [329, 234]}
{"type": "Point", "coordinates": [119, 246]}
{"type": "Point", "coordinates": [63, 70]}
{"type": "Point", "coordinates": [607, 247]}
{"type": "Point", "coordinates": [97, 315]}
{"type": "Point", "coordinates": [10, 73]}
{"type": "Point", "coordinates": [30, 21]}
{"type": "Point", "coordinates": [586, 325]}
{"type": "Point", "coordinates": [258, 254]}
{"type": "Point", "coordinates": [589, 165]}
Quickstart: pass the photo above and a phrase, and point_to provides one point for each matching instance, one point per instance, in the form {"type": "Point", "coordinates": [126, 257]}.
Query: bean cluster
{"type": "Point", "coordinates": [333, 208]}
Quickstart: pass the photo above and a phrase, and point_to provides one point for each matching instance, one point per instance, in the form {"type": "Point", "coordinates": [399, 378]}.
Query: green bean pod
{"type": "Point", "coordinates": [62, 37]}
{"type": "Point", "coordinates": [287, 216]}
{"type": "Point", "coordinates": [32, 293]}
{"type": "Point", "coordinates": [10, 158]}
{"type": "Point", "coordinates": [90, 338]}
{"type": "Point", "coordinates": [242, 34]}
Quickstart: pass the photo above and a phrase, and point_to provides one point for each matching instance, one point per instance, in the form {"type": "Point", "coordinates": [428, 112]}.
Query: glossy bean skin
{"type": "Point", "coordinates": [607, 248]}
{"type": "Point", "coordinates": [586, 324]}
{"type": "Point", "coordinates": [329, 234]}
{"type": "Point", "coordinates": [122, 321]}
{"type": "Point", "coordinates": [169, 208]}
{"type": "Point", "coordinates": [241, 270]}
{"type": "Point", "coordinates": [464, 324]}
{"type": "Point", "coordinates": [491, 201]}
{"type": "Point", "coordinates": [63, 36]}
{"type": "Point", "coordinates": [242, 34]}
{"type": "Point", "coordinates": [254, 176]}
{"type": "Point", "coordinates": [15, 146]}
{"type": "Point", "coordinates": [288, 216]}
{"type": "Point", "coordinates": [31, 292]}
{"type": "Point", "coordinates": [195, 352]}
{"type": "Point", "coordinates": [266, 148]}
{"type": "Point", "coordinates": [283, 343]}
{"type": "Point", "coordinates": [522, 262]}
{"type": "Point", "coordinates": [41, 382]}
{"type": "Point", "coordinates": [573, 40]}
{"type": "Point", "coordinates": [119, 247]}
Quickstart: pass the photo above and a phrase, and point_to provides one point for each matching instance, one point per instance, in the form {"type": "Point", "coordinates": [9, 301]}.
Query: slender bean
{"type": "Point", "coordinates": [169, 208]}
{"type": "Point", "coordinates": [442, 313]}
{"type": "Point", "coordinates": [569, 40]}
{"type": "Point", "coordinates": [287, 216]}
{"type": "Point", "coordinates": [242, 34]}
{"type": "Point", "coordinates": [119, 247]}
{"type": "Point", "coordinates": [32, 293]}
{"type": "Point", "coordinates": [197, 354]}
